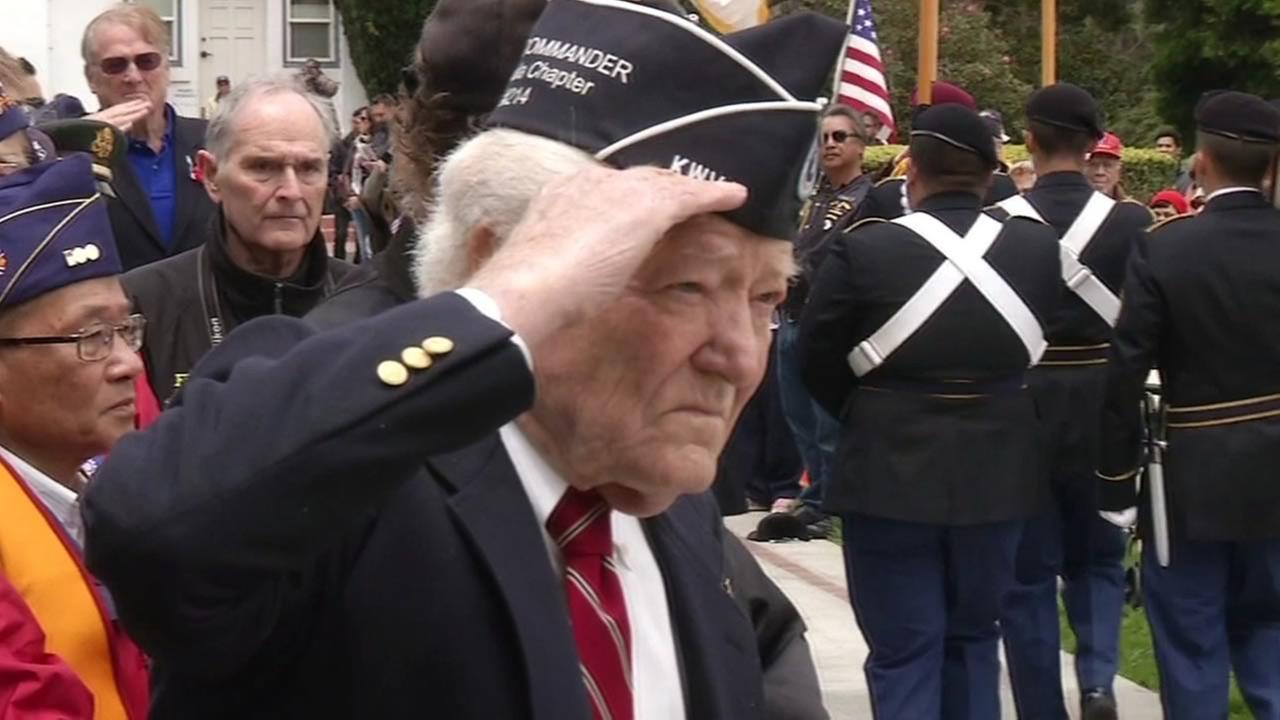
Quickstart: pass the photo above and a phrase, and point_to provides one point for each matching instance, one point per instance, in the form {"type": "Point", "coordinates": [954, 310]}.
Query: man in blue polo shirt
{"type": "Point", "coordinates": [161, 208]}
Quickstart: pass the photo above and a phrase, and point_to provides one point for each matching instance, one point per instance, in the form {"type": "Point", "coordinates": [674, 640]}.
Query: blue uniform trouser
{"type": "Point", "coordinates": [815, 431]}
{"type": "Point", "coordinates": [927, 598]}
{"type": "Point", "coordinates": [1214, 609]}
{"type": "Point", "coordinates": [1087, 552]}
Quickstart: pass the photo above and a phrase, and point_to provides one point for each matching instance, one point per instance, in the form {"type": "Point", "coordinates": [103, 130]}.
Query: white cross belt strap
{"type": "Point", "coordinates": [1076, 274]}
{"type": "Point", "coordinates": [964, 261]}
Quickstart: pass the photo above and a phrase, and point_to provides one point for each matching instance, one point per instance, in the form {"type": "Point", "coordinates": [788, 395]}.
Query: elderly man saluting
{"type": "Point", "coordinates": [67, 364]}
{"type": "Point", "coordinates": [383, 521]}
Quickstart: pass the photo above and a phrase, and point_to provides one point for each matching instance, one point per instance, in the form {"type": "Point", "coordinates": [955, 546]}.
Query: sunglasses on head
{"type": "Point", "coordinates": [839, 136]}
{"type": "Point", "coordinates": [145, 62]}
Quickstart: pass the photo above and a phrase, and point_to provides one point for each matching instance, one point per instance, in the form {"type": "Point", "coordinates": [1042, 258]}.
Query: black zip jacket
{"type": "Point", "coordinates": [192, 300]}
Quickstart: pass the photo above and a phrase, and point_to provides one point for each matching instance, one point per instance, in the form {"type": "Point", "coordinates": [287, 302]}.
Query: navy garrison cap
{"type": "Point", "coordinates": [635, 85]}
{"type": "Point", "coordinates": [1238, 116]}
{"type": "Point", "coordinates": [959, 127]}
{"type": "Point", "coordinates": [1066, 106]}
{"type": "Point", "coordinates": [53, 230]}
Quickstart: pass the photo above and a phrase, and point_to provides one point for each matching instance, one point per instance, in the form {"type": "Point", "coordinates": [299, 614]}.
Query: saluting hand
{"type": "Point", "coordinates": [584, 236]}
{"type": "Point", "coordinates": [124, 115]}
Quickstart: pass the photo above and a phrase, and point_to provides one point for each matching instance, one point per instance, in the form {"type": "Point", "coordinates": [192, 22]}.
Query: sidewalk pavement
{"type": "Point", "coordinates": [812, 575]}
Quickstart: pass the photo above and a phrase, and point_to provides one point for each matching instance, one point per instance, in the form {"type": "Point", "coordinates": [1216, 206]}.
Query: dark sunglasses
{"type": "Point", "coordinates": [145, 62]}
{"type": "Point", "coordinates": [840, 136]}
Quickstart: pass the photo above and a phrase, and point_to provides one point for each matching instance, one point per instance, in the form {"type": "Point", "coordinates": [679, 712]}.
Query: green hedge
{"type": "Point", "coordinates": [1146, 172]}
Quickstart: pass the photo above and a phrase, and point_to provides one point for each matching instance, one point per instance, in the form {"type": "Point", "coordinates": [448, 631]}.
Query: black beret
{"type": "Point", "coordinates": [1239, 116]}
{"type": "Point", "coordinates": [638, 86]}
{"type": "Point", "coordinates": [1066, 106]}
{"type": "Point", "coordinates": [959, 127]}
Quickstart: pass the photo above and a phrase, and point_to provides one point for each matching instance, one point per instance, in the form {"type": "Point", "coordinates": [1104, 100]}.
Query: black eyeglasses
{"type": "Point", "coordinates": [840, 136]}
{"type": "Point", "coordinates": [94, 342]}
{"type": "Point", "coordinates": [145, 62]}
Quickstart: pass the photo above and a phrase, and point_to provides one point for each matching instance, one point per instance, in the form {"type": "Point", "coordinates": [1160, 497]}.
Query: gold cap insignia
{"type": "Point", "coordinates": [103, 144]}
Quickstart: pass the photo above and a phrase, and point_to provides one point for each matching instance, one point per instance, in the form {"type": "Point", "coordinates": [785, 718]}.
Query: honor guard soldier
{"type": "Point", "coordinates": [918, 336]}
{"type": "Point", "coordinates": [1071, 541]}
{"type": "Point", "coordinates": [1201, 300]}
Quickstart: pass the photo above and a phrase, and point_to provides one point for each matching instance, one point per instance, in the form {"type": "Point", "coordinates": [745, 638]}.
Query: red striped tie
{"type": "Point", "coordinates": [580, 527]}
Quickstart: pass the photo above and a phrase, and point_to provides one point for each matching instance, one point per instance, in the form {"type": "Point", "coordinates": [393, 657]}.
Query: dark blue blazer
{"type": "Point", "coordinates": [295, 539]}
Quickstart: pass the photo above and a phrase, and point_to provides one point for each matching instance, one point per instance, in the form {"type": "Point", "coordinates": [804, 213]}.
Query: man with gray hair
{"type": "Point", "coordinates": [266, 168]}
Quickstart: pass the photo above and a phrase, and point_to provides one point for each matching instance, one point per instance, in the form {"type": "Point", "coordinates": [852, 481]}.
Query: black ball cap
{"type": "Point", "coordinates": [1066, 106]}
{"type": "Point", "coordinates": [959, 127]}
{"type": "Point", "coordinates": [1239, 116]}
{"type": "Point", "coordinates": [634, 85]}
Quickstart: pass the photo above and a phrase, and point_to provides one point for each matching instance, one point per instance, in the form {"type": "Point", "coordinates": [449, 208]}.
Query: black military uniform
{"type": "Point", "coordinates": [1200, 303]}
{"type": "Point", "coordinates": [192, 300]}
{"type": "Point", "coordinates": [938, 461]}
{"type": "Point", "coordinates": [1072, 541]}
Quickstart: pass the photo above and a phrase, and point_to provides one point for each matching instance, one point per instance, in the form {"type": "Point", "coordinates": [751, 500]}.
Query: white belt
{"type": "Point", "coordinates": [964, 261]}
{"type": "Point", "coordinates": [1078, 276]}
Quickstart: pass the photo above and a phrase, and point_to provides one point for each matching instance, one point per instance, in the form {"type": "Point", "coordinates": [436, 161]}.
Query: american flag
{"type": "Point", "coordinates": [862, 83]}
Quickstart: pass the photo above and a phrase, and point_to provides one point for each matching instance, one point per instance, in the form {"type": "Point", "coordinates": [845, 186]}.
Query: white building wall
{"type": "Point", "coordinates": [48, 32]}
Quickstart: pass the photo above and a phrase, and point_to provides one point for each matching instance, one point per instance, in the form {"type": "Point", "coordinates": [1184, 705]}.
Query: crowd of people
{"type": "Point", "coordinates": [482, 474]}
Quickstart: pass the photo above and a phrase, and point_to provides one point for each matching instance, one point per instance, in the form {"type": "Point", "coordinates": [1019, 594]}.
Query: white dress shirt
{"type": "Point", "coordinates": [656, 686]}
{"type": "Point", "coordinates": [60, 500]}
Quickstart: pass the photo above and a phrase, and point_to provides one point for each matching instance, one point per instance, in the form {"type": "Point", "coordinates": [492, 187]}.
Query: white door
{"type": "Point", "coordinates": [232, 42]}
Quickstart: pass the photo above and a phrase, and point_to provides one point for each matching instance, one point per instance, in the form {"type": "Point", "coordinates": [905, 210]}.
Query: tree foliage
{"type": "Point", "coordinates": [382, 35]}
{"type": "Point", "coordinates": [1210, 44]}
{"type": "Point", "coordinates": [992, 48]}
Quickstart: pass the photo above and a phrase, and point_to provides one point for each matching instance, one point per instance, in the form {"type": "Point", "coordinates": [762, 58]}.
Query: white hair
{"type": "Point", "coordinates": [488, 181]}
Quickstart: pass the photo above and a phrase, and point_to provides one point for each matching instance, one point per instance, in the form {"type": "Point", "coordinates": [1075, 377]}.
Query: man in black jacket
{"type": "Point", "coordinates": [266, 166]}
{"type": "Point", "coordinates": [1200, 304]}
{"type": "Point", "coordinates": [919, 340]}
{"type": "Point", "coordinates": [160, 209]}
{"type": "Point", "coordinates": [1071, 541]}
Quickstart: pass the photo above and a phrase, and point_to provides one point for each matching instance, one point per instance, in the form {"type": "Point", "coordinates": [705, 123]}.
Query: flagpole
{"type": "Point", "coordinates": [844, 50]}
{"type": "Point", "coordinates": [927, 69]}
{"type": "Point", "coordinates": [1049, 42]}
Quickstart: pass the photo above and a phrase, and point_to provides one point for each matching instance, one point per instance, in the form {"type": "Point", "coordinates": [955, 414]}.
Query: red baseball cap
{"type": "Point", "coordinates": [1172, 198]}
{"type": "Point", "coordinates": [1109, 145]}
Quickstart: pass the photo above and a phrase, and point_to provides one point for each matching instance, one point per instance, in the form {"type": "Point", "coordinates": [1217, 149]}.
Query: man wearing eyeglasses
{"type": "Point", "coordinates": [162, 206]}
{"type": "Point", "coordinates": [832, 207]}
{"type": "Point", "coordinates": [68, 361]}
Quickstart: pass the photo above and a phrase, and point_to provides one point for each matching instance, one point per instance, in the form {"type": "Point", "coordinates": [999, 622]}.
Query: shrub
{"type": "Point", "coordinates": [1146, 172]}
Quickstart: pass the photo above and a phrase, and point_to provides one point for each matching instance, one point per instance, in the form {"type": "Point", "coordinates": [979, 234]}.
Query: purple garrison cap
{"type": "Point", "coordinates": [13, 117]}
{"type": "Point", "coordinates": [53, 230]}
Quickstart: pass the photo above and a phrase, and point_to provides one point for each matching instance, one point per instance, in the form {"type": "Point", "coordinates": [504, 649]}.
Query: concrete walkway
{"type": "Point", "coordinates": [812, 575]}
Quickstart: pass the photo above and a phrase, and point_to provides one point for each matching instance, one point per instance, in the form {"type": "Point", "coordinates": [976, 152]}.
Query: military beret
{"type": "Point", "coordinates": [54, 230]}
{"type": "Point", "coordinates": [959, 127]}
{"type": "Point", "coordinates": [634, 86]}
{"type": "Point", "coordinates": [103, 142]}
{"type": "Point", "coordinates": [1238, 116]}
{"type": "Point", "coordinates": [944, 93]}
{"type": "Point", "coordinates": [1066, 106]}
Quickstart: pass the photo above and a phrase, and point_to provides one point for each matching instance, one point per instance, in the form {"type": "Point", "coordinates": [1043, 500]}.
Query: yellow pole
{"type": "Point", "coordinates": [1049, 42]}
{"type": "Point", "coordinates": [927, 71]}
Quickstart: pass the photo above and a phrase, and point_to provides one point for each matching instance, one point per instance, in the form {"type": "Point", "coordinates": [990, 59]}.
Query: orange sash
{"type": "Point", "coordinates": [44, 567]}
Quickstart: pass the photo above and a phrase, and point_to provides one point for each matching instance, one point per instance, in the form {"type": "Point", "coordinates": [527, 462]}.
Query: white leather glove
{"type": "Point", "coordinates": [1123, 519]}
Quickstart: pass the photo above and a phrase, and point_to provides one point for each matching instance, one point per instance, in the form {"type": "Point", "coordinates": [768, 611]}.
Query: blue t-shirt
{"type": "Point", "coordinates": [157, 174]}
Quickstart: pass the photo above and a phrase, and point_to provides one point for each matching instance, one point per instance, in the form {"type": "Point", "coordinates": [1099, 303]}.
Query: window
{"type": "Point", "coordinates": [311, 31]}
{"type": "Point", "coordinates": [170, 11]}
